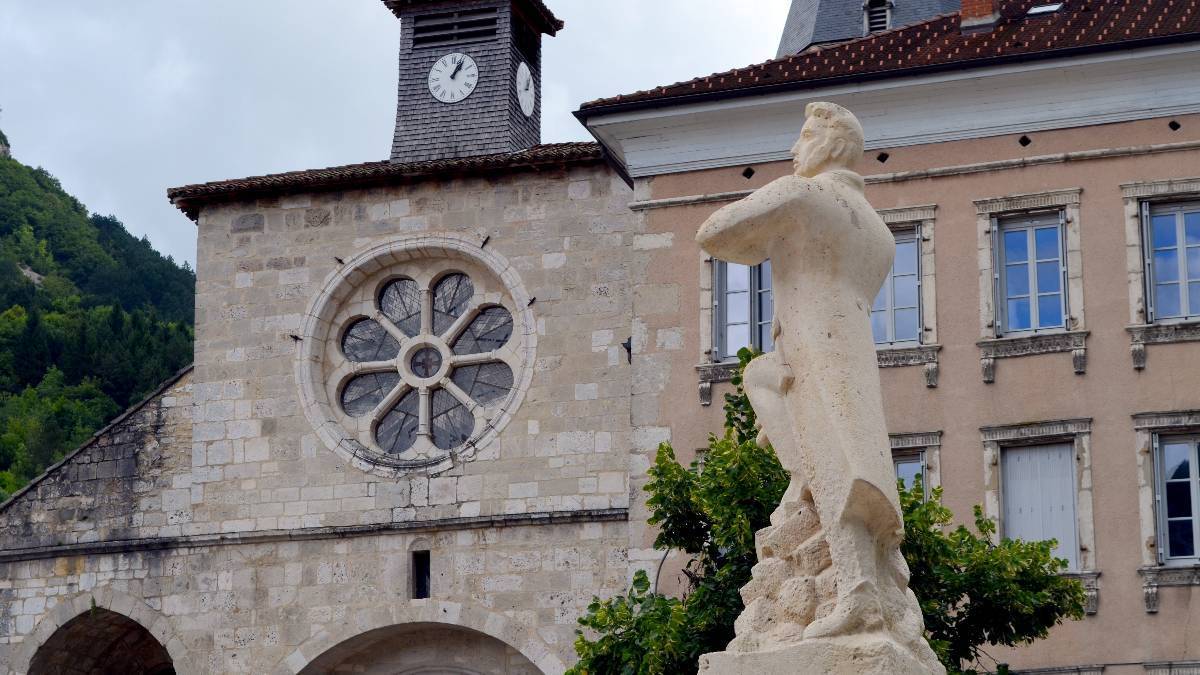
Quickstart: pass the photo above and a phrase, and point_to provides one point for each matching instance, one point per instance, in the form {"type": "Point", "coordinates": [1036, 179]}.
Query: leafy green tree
{"type": "Point", "coordinates": [973, 592]}
{"type": "Point", "coordinates": [92, 319]}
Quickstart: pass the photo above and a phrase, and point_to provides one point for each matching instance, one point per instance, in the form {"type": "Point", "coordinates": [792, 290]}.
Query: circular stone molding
{"type": "Point", "coordinates": [415, 354]}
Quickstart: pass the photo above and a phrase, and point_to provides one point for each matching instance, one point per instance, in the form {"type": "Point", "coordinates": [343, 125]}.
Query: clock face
{"type": "Point", "coordinates": [526, 91]}
{"type": "Point", "coordinates": [453, 78]}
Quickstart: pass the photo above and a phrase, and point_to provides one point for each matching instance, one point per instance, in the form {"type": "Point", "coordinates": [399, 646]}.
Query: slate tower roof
{"type": "Point", "coordinates": [812, 22]}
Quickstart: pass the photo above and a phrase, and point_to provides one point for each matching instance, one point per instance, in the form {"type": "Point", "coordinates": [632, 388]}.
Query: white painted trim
{"type": "Point", "coordinates": [971, 103]}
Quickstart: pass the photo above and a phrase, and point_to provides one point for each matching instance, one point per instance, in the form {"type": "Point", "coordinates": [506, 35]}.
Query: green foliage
{"type": "Point", "coordinates": [972, 592]}
{"type": "Point", "coordinates": [91, 320]}
{"type": "Point", "coordinates": [711, 513]}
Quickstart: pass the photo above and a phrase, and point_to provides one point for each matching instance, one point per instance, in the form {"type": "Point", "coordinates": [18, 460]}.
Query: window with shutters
{"type": "Point", "coordinates": [896, 313]}
{"type": "Point", "coordinates": [1037, 486]}
{"type": "Point", "coordinates": [1031, 278]}
{"type": "Point", "coordinates": [1171, 252]}
{"type": "Point", "coordinates": [877, 15]}
{"type": "Point", "coordinates": [1038, 482]}
{"type": "Point", "coordinates": [743, 309]}
{"type": "Point", "coordinates": [917, 454]}
{"type": "Point", "coordinates": [1031, 274]}
{"type": "Point", "coordinates": [1178, 493]}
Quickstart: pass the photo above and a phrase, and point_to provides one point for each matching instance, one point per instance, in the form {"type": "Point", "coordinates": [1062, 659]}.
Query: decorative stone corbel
{"type": "Point", "coordinates": [1079, 360]}
{"type": "Point", "coordinates": [931, 375]}
{"type": "Point", "coordinates": [1091, 589]}
{"type": "Point", "coordinates": [711, 373]}
{"type": "Point", "coordinates": [1138, 351]}
{"type": "Point", "coordinates": [988, 364]}
{"type": "Point", "coordinates": [1150, 596]}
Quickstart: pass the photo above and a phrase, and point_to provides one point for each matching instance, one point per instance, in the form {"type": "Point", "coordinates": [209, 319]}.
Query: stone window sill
{"type": "Point", "coordinates": [889, 357]}
{"type": "Point", "coordinates": [711, 373]}
{"type": "Point", "coordinates": [1159, 333]}
{"type": "Point", "coordinates": [1091, 586]}
{"type": "Point", "coordinates": [991, 349]}
{"type": "Point", "coordinates": [1172, 667]}
{"type": "Point", "coordinates": [1165, 575]}
{"type": "Point", "coordinates": [911, 355]}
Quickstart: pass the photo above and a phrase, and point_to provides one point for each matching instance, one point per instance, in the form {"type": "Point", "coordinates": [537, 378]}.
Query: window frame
{"type": "Point", "coordinates": [908, 234]}
{"type": "Point", "coordinates": [757, 324]}
{"type": "Point", "coordinates": [906, 457]}
{"type": "Point", "coordinates": [1147, 211]}
{"type": "Point", "coordinates": [1029, 222]}
{"type": "Point", "coordinates": [1161, 517]}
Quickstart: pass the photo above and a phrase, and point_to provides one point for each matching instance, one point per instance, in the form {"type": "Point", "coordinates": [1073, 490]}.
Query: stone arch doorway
{"type": "Point", "coordinates": [422, 649]}
{"type": "Point", "coordinates": [101, 642]}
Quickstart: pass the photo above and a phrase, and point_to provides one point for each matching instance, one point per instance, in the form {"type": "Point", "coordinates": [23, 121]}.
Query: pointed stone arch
{"type": "Point", "coordinates": [101, 603]}
{"type": "Point", "coordinates": [433, 612]}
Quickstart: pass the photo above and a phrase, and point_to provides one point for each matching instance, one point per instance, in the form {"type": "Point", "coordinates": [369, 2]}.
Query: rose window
{"type": "Point", "coordinates": [415, 355]}
{"type": "Point", "coordinates": [427, 367]}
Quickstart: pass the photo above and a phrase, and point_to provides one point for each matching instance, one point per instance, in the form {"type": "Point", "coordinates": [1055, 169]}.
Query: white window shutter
{"type": "Point", "coordinates": [1062, 264]}
{"type": "Point", "coordinates": [997, 297]}
{"type": "Point", "coordinates": [1160, 518]}
{"type": "Point", "coordinates": [1147, 259]}
{"type": "Point", "coordinates": [1038, 484]}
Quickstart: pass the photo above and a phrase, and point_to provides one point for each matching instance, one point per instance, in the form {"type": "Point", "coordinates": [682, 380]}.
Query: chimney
{"type": "Point", "coordinates": [978, 16]}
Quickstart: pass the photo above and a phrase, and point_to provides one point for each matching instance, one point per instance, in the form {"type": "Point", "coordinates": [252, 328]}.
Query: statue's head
{"type": "Point", "coordinates": [831, 138]}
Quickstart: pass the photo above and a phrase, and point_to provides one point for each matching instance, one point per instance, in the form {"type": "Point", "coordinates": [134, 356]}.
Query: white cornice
{"type": "Point", "coordinates": [913, 110]}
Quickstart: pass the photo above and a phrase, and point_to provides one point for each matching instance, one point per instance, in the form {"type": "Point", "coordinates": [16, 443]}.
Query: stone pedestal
{"type": "Point", "coordinates": [865, 654]}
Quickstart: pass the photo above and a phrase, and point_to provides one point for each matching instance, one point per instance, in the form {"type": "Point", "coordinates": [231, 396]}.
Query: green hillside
{"type": "Point", "coordinates": [91, 320]}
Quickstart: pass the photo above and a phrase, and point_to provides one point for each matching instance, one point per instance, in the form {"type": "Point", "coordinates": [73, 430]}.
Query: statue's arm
{"type": "Point", "coordinates": [742, 232]}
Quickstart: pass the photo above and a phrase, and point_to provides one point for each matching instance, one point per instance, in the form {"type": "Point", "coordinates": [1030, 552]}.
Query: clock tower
{"type": "Point", "coordinates": [470, 77]}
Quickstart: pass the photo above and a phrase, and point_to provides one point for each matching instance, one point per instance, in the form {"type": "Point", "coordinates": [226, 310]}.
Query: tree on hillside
{"type": "Point", "coordinates": [973, 591]}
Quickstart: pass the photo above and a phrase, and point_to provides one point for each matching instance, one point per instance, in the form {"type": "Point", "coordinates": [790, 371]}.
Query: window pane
{"type": "Point", "coordinates": [1016, 280]}
{"type": "Point", "coordinates": [1048, 277]}
{"type": "Point", "coordinates": [400, 302]}
{"type": "Point", "coordinates": [1050, 312]}
{"type": "Point", "coordinates": [397, 431]}
{"type": "Point", "coordinates": [881, 298]}
{"type": "Point", "coordinates": [764, 275]}
{"type": "Point", "coordinates": [1018, 314]}
{"type": "Point", "coordinates": [736, 337]}
{"type": "Point", "coordinates": [1176, 460]}
{"type": "Point", "coordinates": [907, 325]}
{"type": "Point", "coordinates": [487, 332]}
{"type": "Point", "coordinates": [1191, 227]}
{"type": "Point", "coordinates": [879, 326]}
{"type": "Point", "coordinates": [1016, 246]}
{"type": "Point", "coordinates": [486, 383]}
{"type": "Point", "coordinates": [1166, 265]}
{"type": "Point", "coordinates": [906, 258]}
{"type": "Point", "coordinates": [1166, 299]}
{"type": "Point", "coordinates": [364, 392]}
{"type": "Point", "coordinates": [368, 341]}
{"type": "Point", "coordinates": [907, 471]}
{"type": "Point", "coordinates": [451, 297]}
{"type": "Point", "coordinates": [906, 291]}
{"type": "Point", "coordinates": [450, 423]}
{"type": "Point", "coordinates": [765, 342]}
{"type": "Point", "coordinates": [1179, 534]}
{"type": "Point", "coordinates": [1046, 239]}
{"type": "Point", "coordinates": [1193, 262]}
{"type": "Point", "coordinates": [1164, 231]}
{"type": "Point", "coordinates": [737, 307]}
{"type": "Point", "coordinates": [737, 277]}
{"type": "Point", "coordinates": [1194, 298]}
{"type": "Point", "coordinates": [1179, 499]}
{"type": "Point", "coordinates": [766, 307]}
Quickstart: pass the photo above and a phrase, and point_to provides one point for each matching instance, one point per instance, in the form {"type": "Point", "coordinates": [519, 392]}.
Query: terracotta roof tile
{"type": "Point", "coordinates": [939, 43]}
{"type": "Point", "coordinates": [190, 197]}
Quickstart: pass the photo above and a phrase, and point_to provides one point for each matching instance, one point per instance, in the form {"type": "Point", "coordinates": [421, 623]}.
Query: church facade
{"type": "Point", "coordinates": [410, 436]}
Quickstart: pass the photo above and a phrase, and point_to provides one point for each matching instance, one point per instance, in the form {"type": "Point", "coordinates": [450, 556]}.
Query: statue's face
{"type": "Point", "coordinates": [814, 148]}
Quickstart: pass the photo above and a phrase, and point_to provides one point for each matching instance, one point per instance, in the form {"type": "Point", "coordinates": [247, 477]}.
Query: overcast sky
{"type": "Point", "coordinates": [124, 98]}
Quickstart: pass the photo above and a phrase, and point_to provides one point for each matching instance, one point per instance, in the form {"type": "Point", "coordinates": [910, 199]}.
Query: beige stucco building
{"type": "Point", "coordinates": [426, 390]}
{"type": "Point", "coordinates": [1035, 347]}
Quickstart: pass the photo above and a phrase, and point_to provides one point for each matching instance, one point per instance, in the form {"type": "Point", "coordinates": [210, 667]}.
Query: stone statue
{"type": "Point", "coordinates": [830, 591]}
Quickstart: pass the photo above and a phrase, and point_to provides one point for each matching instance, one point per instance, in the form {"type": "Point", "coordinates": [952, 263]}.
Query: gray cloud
{"type": "Point", "coordinates": [123, 99]}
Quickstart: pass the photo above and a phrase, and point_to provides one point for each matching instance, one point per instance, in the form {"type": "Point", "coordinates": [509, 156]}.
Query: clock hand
{"type": "Point", "coordinates": [457, 68]}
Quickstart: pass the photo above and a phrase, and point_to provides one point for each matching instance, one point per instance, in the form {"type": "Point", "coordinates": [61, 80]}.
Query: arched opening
{"type": "Point", "coordinates": [422, 649]}
{"type": "Point", "coordinates": [101, 642]}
